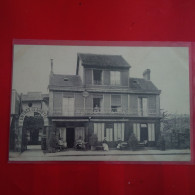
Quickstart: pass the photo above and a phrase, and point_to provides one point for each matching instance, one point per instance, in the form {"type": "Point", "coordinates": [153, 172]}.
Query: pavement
{"type": "Point", "coordinates": [34, 153]}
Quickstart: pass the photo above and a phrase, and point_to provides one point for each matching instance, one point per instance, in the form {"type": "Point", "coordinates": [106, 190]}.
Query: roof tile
{"type": "Point", "coordinates": [65, 80]}
{"type": "Point", "coordinates": [141, 84]}
{"type": "Point", "coordinates": [32, 96]}
{"type": "Point", "coordinates": [113, 61]}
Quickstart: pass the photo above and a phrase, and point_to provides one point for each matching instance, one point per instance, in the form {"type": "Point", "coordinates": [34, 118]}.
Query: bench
{"type": "Point", "coordinates": [99, 148]}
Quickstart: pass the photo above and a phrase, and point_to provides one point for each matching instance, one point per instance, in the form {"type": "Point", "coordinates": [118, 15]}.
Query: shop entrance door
{"type": "Point", "coordinates": [70, 137]}
{"type": "Point", "coordinates": [143, 133]}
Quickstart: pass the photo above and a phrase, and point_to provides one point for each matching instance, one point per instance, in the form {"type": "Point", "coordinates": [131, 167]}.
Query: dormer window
{"type": "Point", "coordinates": [115, 78]}
{"type": "Point", "coordinates": [97, 77]}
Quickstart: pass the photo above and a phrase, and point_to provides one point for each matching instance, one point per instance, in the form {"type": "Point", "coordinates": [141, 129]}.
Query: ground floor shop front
{"type": "Point", "coordinates": [110, 130]}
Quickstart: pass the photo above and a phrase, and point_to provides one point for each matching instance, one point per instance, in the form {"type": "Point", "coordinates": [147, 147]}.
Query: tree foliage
{"type": "Point", "coordinates": [132, 141]}
{"type": "Point", "coordinates": [176, 130]}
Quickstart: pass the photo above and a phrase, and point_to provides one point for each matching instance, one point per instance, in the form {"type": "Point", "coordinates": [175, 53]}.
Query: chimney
{"type": "Point", "coordinates": [146, 74]}
{"type": "Point", "coordinates": [51, 66]}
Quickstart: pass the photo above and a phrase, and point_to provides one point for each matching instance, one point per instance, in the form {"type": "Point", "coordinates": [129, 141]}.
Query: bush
{"type": "Point", "coordinates": [112, 144]}
{"type": "Point", "coordinates": [93, 140]}
{"type": "Point", "coordinates": [161, 143]}
{"type": "Point", "coordinates": [132, 141]}
{"type": "Point", "coordinates": [52, 143]}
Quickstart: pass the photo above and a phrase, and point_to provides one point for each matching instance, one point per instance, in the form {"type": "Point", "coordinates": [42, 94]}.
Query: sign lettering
{"type": "Point", "coordinates": [32, 109]}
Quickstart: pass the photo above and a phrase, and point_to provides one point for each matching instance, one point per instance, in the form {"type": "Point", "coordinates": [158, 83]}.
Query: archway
{"type": "Point", "coordinates": [26, 117]}
{"type": "Point", "coordinates": [33, 129]}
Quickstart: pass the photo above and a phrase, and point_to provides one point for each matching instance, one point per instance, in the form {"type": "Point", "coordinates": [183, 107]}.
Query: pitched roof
{"type": "Point", "coordinates": [141, 84]}
{"type": "Point", "coordinates": [32, 96]}
{"type": "Point", "coordinates": [65, 80]}
{"type": "Point", "coordinates": [45, 96]}
{"type": "Point", "coordinates": [112, 61]}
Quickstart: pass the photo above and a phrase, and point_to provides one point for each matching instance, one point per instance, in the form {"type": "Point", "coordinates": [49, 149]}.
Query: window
{"type": "Point", "coordinates": [63, 133]}
{"type": "Point", "coordinates": [136, 130]}
{"type": "Point", "coordinates": [151, 132]}
{"type": "Point", "coordinates": [115, 78]}
{"type": "Point", "coordinates": [119, 131]}
{"type": "Point", "coordinates": [79, 132]}
{"type": "Point", "coordinates": [97, 77]}
{"type": "Point", "coordinates": [99, 131]}
{"type": "Point", "coordinates": [116, 103]}
{"type": "Point", "coordinates": [142, 106]}
{"type": "Point", "coordinates": [68, 106]}
{"type": "Point", "coordinates": [97, 104]}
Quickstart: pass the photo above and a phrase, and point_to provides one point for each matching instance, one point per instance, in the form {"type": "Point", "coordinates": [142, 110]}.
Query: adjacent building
{"type": "Point", "coordinates": [14, 115]}
{"type": "Point", "coordinates": [26, 123]}
{"type": "Point", "coordinates": [103, 99]}
{"type": "Point", "coordinates": [33, 127]}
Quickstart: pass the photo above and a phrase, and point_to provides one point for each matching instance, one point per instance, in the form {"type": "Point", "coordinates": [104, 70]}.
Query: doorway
{"type": "Point", "coordinates": [70, 135]}
{"type": "Point", "coordinates": [34, 137]}
{"type": "Point", "coordinates": [143, 132]}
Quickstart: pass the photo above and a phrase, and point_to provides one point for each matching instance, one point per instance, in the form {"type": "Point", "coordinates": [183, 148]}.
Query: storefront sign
{"type": "Point", "coordinates": [31, 109]}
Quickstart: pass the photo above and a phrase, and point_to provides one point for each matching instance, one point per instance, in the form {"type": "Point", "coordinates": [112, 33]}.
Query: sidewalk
{"type": "Point", "coordinates": [118, 152]}
{"type": "Point", "coordinates": [14, 154]}
{"type": "Point", "coordinates": [111, 155]}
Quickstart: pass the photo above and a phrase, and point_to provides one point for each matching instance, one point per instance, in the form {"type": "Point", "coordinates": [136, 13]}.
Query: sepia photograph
{"type": "Point", "coordinates": [100, 103]}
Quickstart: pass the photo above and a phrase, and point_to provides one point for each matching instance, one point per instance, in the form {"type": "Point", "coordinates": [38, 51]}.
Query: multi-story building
{"type": "Point", "coordinates": [102, 99]}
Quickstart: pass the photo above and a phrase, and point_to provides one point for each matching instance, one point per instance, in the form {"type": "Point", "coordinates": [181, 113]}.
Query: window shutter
{"type": "Point", "coordinates": [79, 131]}
{"type": "Point", "coordinates": [136, 130]}
{"type": "Point", "coordinates": [115, 132]}
{"type": "Point", "coordinates": [116, 100]}
{"type": "Point", "coordinates": [139, 106]}
{"type": "Point", "coordinates": [65, 106]}
{"type": "Point", "coordinates": [145, 106]}
{"type": "Point", "coordinates": [109, 134]}
{"type": "Point", "coordinates": [63, 133]}
{"type": "Point", "coordinates": [151, 132]}
{"type": "Point", "coordinates": [115, 77]}
{"type": "Point", "coordinates": [118, 131]}
{"type": "Point", "coordinates": [102, 132]}
{"type": "Point", "coordinates": [123, 131]}
{"type": "Point", "coordinates": [95, 128]}
{"type": "Point", "coordinates": [68, 106]}
{"type": "Point", "coordinates": [99, 131]}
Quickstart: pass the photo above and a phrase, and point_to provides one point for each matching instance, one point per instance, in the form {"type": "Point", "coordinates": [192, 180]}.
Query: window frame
{"type": "Point", "coordinates": [101, 81]}
{"type": "Point", "coordinates": [116, 132]}
{"type": "Point", "coordinates": [117, 107]}
{"type": "Point", "coordinates": [141, 111]}
{"type": "Point", "coordinates": [113, 80]}
{"type": "Point", "coordinates": [72, 111]}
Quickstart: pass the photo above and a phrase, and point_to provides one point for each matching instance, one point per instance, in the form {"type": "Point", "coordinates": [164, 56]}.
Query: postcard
{"type": "Point", "coordinates": [100, 102]}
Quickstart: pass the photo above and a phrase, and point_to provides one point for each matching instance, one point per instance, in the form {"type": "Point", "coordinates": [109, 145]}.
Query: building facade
{"type": "Point", "coordinates": [102, 99]}
{"type": "Point", "coordinates": [14, 115]}
{"type": "Point", "coordinates": [27, 125]}
{"type": "Point", "coordinates": [33, 122]}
